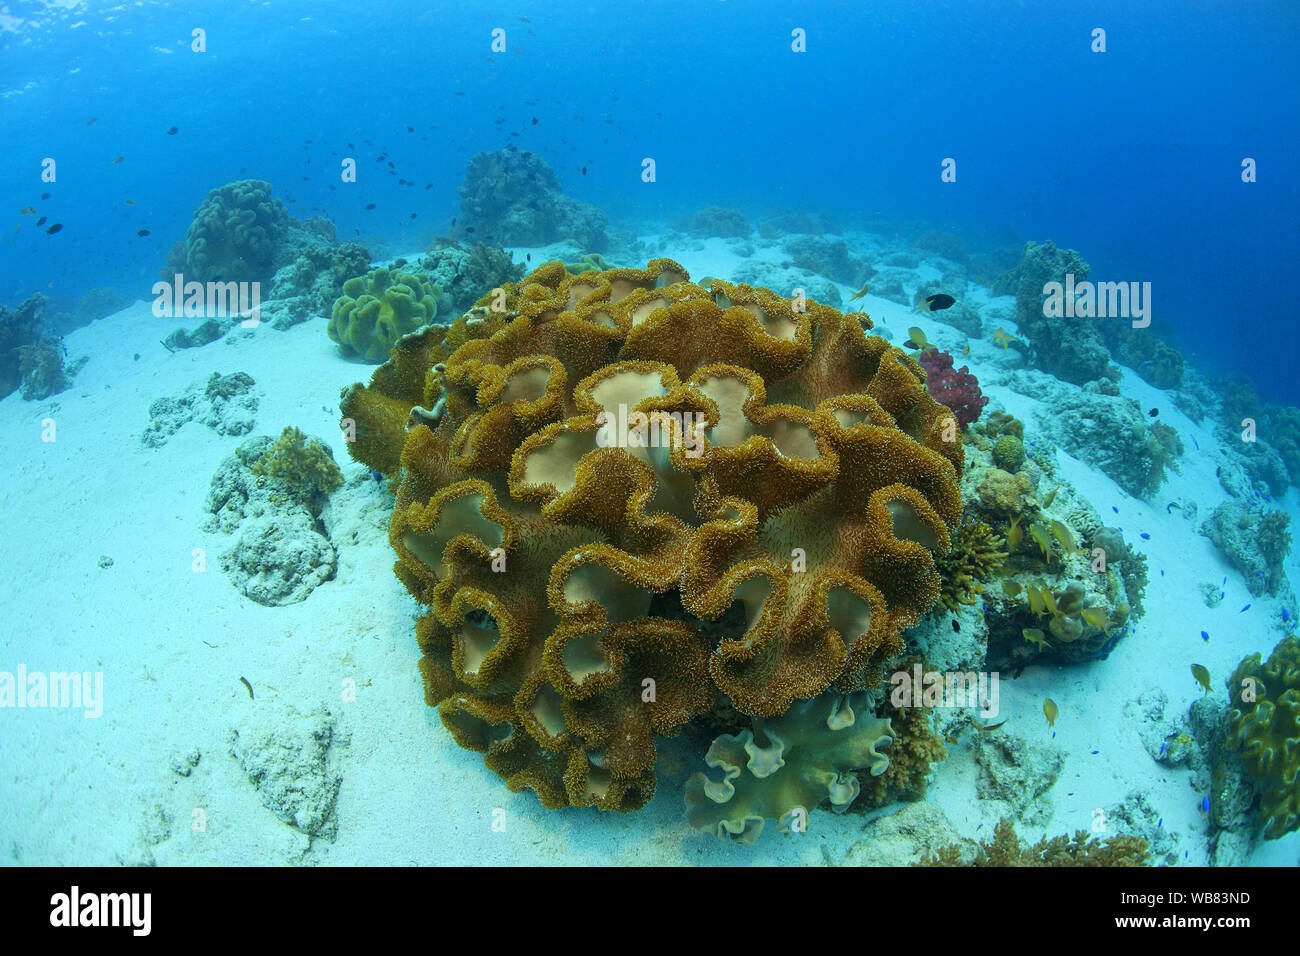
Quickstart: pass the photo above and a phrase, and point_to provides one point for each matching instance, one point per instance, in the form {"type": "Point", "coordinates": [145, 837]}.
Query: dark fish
{"type": "Point", "coordinates": [1205, 635]}
{"type": "Point", "coordinates": [91, 121]}
{"type": "Point", "coordinates": [584, 170]}
{"type": "Point", "coordinates": [1144, 536]}
{"type": "Point", "coordinates": [1244, 609]}
{"type": "Point", "coordinates": [938, 301]}
{"type": "Point", "coordinates": [27, 211]}
{"type": "Point", "coordinates": [410, 129]}
{"type": "Point", "coordinates": [955, 625]}
{"type": "Point", "coordinates": [129, 202]}
{"type": "Point", "coordinates": [1286, 615]}
{"type": "Point", "coordinates": [412, 215]}
{"type": "Point", "coordinates": [121, 158]}
{"type": "Point", "coordinates": [1154, 412]}
{"type": "Point", "coordinates": [41, 221]}
{"type": "Point", "coordinates": [428, 186]}
{"type": "Point", "coordinates": [528, 257]}
{"type": "Point", "coordinates": [173, 131]}
{"type": "Point", "coordinates": [534, 120]}
{"type": "Point", "coordinates": [58, 227]}
{"type": "Point", "coordinates": [453, 222]}
{"type": "Point", "coordinates": [142, 233]}
{"type": "Point", "coordinates": [45, 195]}
{"type": "Point", "coordinates": [470, 229]}
{"type": "Point", "coordinates": [371, 206]}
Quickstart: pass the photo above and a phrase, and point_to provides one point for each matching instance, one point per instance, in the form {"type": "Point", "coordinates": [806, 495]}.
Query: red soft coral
{"type": "Point", "coordinates": [959, 390]}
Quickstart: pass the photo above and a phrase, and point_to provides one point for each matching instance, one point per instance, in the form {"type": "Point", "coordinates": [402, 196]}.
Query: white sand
{"type": "Point", "coordinates": [172, 644]}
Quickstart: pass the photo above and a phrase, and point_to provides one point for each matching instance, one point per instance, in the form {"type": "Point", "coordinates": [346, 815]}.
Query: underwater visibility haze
{"type": "Point", "coordinates": [664, 433]}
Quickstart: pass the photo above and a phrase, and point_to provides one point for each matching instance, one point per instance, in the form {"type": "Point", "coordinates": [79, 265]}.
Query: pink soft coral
{"type": "Point", "coordinates": [959, 390]}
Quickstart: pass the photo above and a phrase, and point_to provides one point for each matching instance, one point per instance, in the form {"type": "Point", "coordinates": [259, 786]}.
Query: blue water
{"type": "Point", "coordinates": [1131, 156]}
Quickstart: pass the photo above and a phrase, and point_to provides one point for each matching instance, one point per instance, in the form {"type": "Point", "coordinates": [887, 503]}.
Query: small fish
{"type": "Point", "coordinates": [142, 233]}
{"type": "Point", "coordinates": [916, 340]}
{"type": "Point", "coordinates": [1164, 745]}
{"type": "Point", "coordinates": [1197, 444]}
{"type": "Point", "coordinates": [1097, 617]}
{"type": "Point", "coordinates": [987, 727]}
{"type": "Point", "coordinates": [965, 352]}
{"type": "Point", "coordinates": [1035, 636]}
{"type": "Point", "coordinates": [859, 294]}
{"type": "Point", "coordinates": [1036, 605]}
{"type": "Point", "coordinates": [371, 206]}
{"type": "Point", "coordinates": [1144, 536]}
{"type": "Point", "coordinates": [528, 257]}
{"type": "Point", "coordinates": [534, 120]}
{"type": "Point", "coordinates": [955, 625]}
{"type": "Point", "coordinates": [173, 131]}
{"type": "Point", "coordinates": [58, 227]}
{"type": "Point", "coordinates": [1154, 412]}
{"type": "Point", "coordinates": [1049, 601]}
{"type": "Point", "coordinates": [1169, 507]}
{"type": "Point", "coordinates": [1065, 536]}
{"type": "Point", "coordinates": [45, 195]}
{"type": "Point", "coordinates": [1205, 805]}
{"type": "Point", "coordinates": [412, 215]}
{"type": "Point", "coordinates": [1244, 609]}
{"type": "Point", "coordinates": [1205, 635]}
{"type": "Point", "coordinates": [1014, 534]}
{"type": "Point", "coordinates": [41, 221]}
{"type": "Point", "coordinates": [128, 202]}
{"type": "Point", "coordinates": [1050, 497]}
{"type": "Point", "coordinates": [1039, 534]}
{"type": "Point", "coordinates": [91, 121]}
{"type": "Point", "coordinates": [1050, 711]}
{"type": "Point", "coordinates": [27, 211]}
{"type": "Point", "coordinates": [1012, 588]}
{"type": "Point", "coordinates": [584, 170]}
{"type": "Point", "coordinates": [1114, 509]}
{"type": "Point", "coordinates": [410, 129]}
{"type": "Point", "coordinates": [1002, 337]}
{"type": "Point", "coordinates": [1202, 675]}
{"type": "Point", "coordinates": [118, 160]}
{"type": "Point", "coordinates": [938, 302]}
{"type": "Point", "coordinates": [1286, 615]}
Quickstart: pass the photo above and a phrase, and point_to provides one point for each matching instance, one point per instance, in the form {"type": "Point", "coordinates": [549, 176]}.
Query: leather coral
{"type": "Point", "coordinates": [628, 499]}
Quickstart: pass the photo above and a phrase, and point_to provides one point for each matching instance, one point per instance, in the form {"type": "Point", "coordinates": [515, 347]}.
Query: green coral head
{"type": "Point", "coordinates": [807, 755]}
{"type": "Point", "coordinates": [377, 309]}
{"type": "Point", "coordinates": [1264, 724]}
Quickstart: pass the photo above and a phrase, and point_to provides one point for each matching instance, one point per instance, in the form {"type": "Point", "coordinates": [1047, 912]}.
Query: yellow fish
{"type": "Point", "coordinates": [116, 161]}
{"type": "Point", "coordinates": [1012, 588]}
{"type": "Point", "coordinates": [1049, 601]}
{"type": "Point", "coordinates": [1097, 617]}
{"type": "Point", "coordinates": [1202, 675]}
{"type": "Point", "coordinates": [965, 352]}
{"type": "Point", "coordinates": [1050, 711]}
{"type": "Point", "coordinates": [1035, 636]}
{"type": "Point", "coordinates": [1039, 535]}
{"type": "Point", "coordinates": [1064, 536]}
{"type": "Point", "coordinates": [859, 294]}
{"type": "Point", "coordinates": [1050, 497]}
{"type": "Point", "coordinates": [1036, 606]}
{"type": "Point", "coordinates": [916, 339]}
{"type": "Point", "coordinates": [130, 202]}
{"type": "Point", "coordinates": [1014, 534]}
{"type": "Point", "coordinates": [1002, 337]}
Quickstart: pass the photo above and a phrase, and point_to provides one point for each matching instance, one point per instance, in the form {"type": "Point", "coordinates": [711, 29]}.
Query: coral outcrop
{"type": "Point", "coordinates": [1007, 849]}
{"type": "Point", "coordinates": [234, 234]}
{"type": "Point", "coordinates": [225, 403]}
{"type": "Point", "coordinates": [798, 760]}
{"type": "Point", "coordinates": [627, 497]}
{"type": "Point", "coordinates": [1255, 539]}
{"type": "Point", "coordinates": [513, 198]}
{"type": "Point", "coordinates": [958, 389]}
{"type": "Point", "coordinates": [20, 328]}
{"type": "Point", "coordinates": [1264, 725]}
{"type": "Point", "coordinates": [462, 273]}
{"type": "Point", "coordinates": [378, 308]}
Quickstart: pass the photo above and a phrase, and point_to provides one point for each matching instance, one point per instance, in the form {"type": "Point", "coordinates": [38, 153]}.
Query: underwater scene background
{"type": "Point", "coordinates": [649, 433]}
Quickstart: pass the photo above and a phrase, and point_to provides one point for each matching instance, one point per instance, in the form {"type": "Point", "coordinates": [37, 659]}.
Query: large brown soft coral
{"type": "Point", "coordinates": [606, 464]}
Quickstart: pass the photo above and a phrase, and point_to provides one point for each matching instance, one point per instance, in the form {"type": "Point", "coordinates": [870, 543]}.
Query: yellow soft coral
{"type": "Point", "coordinates": [620, 462]}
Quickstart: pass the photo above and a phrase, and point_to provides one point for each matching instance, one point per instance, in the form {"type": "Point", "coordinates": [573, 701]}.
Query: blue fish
{"type": "Point", "coordinates": [1197, 444]}
{"type": "Point", "coordinates": [1114, 509]}
{"type": "Point", "coordinates": [1164, 745]}
{"type": "Point", "coordinates": [1205, 635]}
{"type": "Point", "coordinates": [1162, 572]}
{"type": "Point", "coordinates": [1205, 804]}
{"type": "Point", "coordinates": [1144, 536]}
{"type": "Point", "coordinates": [1095, 752]}
{"type": "Point", "coordinates": [1286, 616]}
{"type": "Point", "coordinates": [1160, 822]}
{"type": "Point", "coordinates": [1244, 609]}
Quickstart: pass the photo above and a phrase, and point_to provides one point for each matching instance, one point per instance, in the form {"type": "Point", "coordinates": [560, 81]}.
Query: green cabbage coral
{"type": "Point", "coordinates": [807, 755]}
{"type": "Point", "coordinates": [377, 309]}
{"type": "Point", "coordinates": [1009, 453]}
{"type": "Point", "coordinates": [1264, 724]}
{"type": "Point", "coordinates": [234, 232]}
